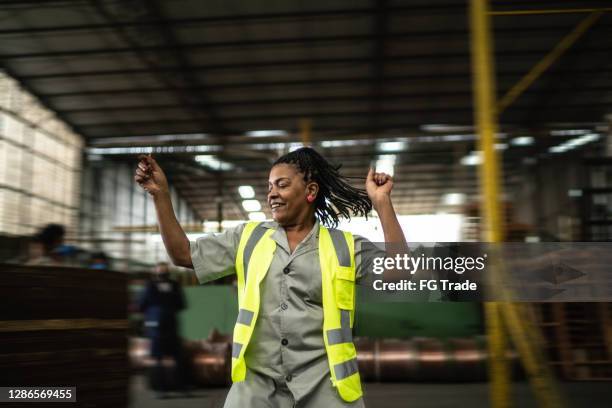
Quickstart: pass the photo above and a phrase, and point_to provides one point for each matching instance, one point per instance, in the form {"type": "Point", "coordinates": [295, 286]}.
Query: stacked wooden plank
{"type": "Point", "coordinates": [65, 327]}
{"type": "Point", "coordinates": [578, 337]}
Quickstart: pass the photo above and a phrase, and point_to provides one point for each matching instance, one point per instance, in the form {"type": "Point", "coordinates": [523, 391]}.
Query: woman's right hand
{"type": "Point", "coordinates": [150, 176]}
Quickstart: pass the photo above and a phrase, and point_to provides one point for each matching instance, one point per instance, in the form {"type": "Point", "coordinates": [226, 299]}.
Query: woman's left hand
{"type": "Point", "coordinates": [378, 186]}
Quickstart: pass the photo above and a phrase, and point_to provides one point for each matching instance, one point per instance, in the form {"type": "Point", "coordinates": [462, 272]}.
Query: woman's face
{"type": "Point", "coordinates": [287, 193]}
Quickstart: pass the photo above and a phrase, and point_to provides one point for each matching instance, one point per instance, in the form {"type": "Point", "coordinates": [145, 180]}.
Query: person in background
{"type": "Point", "coordinates": [99, 260]}
{"type": "Point", "coordinates": [161, 301]}
{"type": "Point", "coordinates": [46, 246]}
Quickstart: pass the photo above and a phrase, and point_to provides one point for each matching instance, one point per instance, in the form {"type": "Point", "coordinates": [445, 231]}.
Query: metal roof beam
{"type": "Point", "coordinates": [364, 80]}
{"type": "Point", "coordinates": [261, 117]}
{"type": "Point", "coordinates": [328, 99]}
{"type": "Point", "coordinates": [223, 44]}
{"type": "Point", "coordinates": [240, 18]}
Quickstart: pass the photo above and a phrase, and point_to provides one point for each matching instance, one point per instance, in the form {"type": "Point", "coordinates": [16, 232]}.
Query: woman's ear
{"type": "Point", "coordinates": [312, 189]}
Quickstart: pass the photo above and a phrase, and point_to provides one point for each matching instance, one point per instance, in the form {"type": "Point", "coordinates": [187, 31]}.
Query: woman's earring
{"type": "Point", "coordinates": [310, 199]}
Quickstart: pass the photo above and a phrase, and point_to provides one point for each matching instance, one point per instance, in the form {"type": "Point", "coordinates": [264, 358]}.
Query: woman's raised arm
{"type": "Point", "coordinates": [153, 180]}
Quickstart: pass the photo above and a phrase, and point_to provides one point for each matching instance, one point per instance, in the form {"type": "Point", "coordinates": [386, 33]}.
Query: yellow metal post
{"type": "Point", "coordinates": [483, 82]}
{"type": "Point", "coordinates": [485, 117]}
{"type": "Point", "coordinates": [526, 340]}
{"type": "Point", "coordinates": [305, 131]}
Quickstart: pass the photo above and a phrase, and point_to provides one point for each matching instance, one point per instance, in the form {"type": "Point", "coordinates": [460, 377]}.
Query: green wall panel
{"type": "Point", "coordinates": [208, 307]}
{"type": "Point", "coordinates": [216, 306]}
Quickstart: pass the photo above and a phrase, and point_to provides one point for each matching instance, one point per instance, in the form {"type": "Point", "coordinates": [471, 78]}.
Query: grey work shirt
{"type": "Point", "coordinates": [286, 357]}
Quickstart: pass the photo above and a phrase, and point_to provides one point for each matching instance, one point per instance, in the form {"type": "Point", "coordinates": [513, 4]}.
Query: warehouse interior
{"type": "Point", "coordinates": [494, 118]}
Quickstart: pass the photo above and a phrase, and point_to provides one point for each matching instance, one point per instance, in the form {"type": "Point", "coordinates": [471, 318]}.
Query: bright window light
{"type": "Point", "coordinates": [295, 146]}
{"type": "Point", "coordinates": [453, 199]}
{"type": "Point", "coordinates": [267, 133]}
{"type": "Point", "coordinates": [246, 191]}
{"type": "Point", "coordinates": [426, 228]}
{"type": "Point", "coordinates": [385, 163]}
{"type": "Point", "coordinates": [213, 226]}
{"type": "Point", "coordinates": [257, 216]}
{"type": "Point", "coordinates": [251, 205]}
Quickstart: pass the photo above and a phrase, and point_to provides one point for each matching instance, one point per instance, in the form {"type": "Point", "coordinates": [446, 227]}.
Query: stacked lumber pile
{"type": "Point", "coordinates": [65, 327]}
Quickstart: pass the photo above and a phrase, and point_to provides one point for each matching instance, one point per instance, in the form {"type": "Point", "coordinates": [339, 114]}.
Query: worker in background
{"type": "Point", "coordinates": [99, 260]}
{"type": "Point", "coordinates": [47, 247]}
{"type": "Point", "coordinates": [161, 301]}
{"type": "Point", "coordinates": [292, 342]}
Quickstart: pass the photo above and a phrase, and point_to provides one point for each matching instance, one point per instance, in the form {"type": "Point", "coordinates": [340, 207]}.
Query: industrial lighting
{"type": "Point", "coordinates": [257, 216]}
{"type": "Point", "coordinates": [267, 133]}
{"type": "Point", "coordinates": [575, 142]}
{"type": "Point", "coordinates": [453, 199]}
{"type": "Point", "coordinates": [131, 140]}
{"type": "Point", "coordinates": [574, 193]}
{"type": "Point", "coordinates": [558, 149]}
{"type": "Point", "coordinates": [213, 163]}
{"type": "Point", "coordinates": [393, 146]}
{"type": "Point", "coordinates": [443, 128]}
{"type": "Point", "coordinates": [153, 149]}
{"type": "Point", "coordinates": [522, 141]}
{"type": "Point", "coordinates": [501, 146]}
{"type": "Point", "coordinates": [251, 205]}
{"type": "Point", "coordinates": [385, 163]}
{"type": "Point", "coordinates": [569, 132]}
{"type": "Point", "coordinates": [246, 191]}
{"type": "Point", "coordinates": [457, 138]}
{"type": "Point", "coordinates": [343, 143]}
{"type": "Point", "coordinates": [472, 159]}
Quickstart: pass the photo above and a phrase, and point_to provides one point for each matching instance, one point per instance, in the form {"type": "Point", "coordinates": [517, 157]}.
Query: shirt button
{"type": "Point", "coordinates": [284, 342]}
{"type": "Point", "coordinates": [286, 270]}
{"type": "Point", "coordinates": [288, 378]}
{"type": "Point", "coordinates": [284, 306]}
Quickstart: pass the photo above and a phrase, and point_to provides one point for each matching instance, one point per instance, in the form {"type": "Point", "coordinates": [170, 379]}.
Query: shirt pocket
{"type": "Point", "coordinates": [345, 287]}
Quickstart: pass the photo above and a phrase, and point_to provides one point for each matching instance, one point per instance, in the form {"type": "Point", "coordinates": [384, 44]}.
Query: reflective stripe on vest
{"type": "Point", "coordinates": [255, 252]}
{"type": "Point", "coordinates": [337, 260]}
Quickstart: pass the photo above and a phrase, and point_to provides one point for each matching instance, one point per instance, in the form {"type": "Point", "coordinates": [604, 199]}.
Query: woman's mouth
{"type": "Point", "coordinates": [276, 206]}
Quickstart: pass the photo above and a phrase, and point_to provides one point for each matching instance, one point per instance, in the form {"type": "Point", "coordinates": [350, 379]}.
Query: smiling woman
{"type": "Point", "coordinates": [296, 279]}
{"type": "Point", "coordinates": [323, 186]}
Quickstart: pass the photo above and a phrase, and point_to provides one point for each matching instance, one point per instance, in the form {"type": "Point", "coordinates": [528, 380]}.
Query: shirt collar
{"type": "Point", "coordinates": [280, 236]}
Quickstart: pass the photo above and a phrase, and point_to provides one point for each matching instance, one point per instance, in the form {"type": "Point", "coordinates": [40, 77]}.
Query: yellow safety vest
{"type": "Point", "coordinates": [337, 258]}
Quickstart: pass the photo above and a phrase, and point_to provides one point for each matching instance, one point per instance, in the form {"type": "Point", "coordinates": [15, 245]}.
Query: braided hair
{"type": "Point", "coordinates": [336, 196]}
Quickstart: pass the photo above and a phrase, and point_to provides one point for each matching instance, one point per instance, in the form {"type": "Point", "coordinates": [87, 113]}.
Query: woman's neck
{"type": "Point", "coordinates": [299, 226]}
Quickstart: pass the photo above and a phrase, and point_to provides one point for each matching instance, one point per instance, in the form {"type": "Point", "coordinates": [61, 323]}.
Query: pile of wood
{"type": "Point", "coordinates": [578, 337]}
{"type": "Point", "coordinates": [65, 327]}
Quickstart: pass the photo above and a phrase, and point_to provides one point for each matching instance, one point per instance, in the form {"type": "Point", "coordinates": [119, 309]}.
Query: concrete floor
{"type": "Point", "coordinates": [412, 395]}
